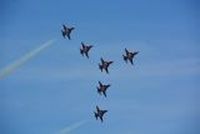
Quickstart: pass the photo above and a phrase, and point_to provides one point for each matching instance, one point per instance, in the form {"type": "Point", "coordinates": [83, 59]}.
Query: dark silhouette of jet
{"type": "Point", "coordinates": [85, 49]}
{"type": "Point", "coordinates": [104, 65]}
{"type": "Point", "coordinates": [102, 88]}
{"type": "Point", "coordinates": [99, 113]}
{"type": "Point", "coordinates": [66, 31]}
{"type": "Point", "coordinates": [129, 56]}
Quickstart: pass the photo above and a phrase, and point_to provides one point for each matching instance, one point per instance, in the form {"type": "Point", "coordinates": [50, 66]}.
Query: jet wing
{"type": "Point", "coordinates": [107, 70]}
{"type": "Point", "coordinates": [90, 47]}
{"type": "Point", "coordinates": [126, 51]}
{"type": "Point", "coordinates": [131, 60]}
{"type": "Point", "coordinates": [68, 36]}
{"type": "Point", "coordinates": [86, 53]}
{"type": "Point", "coordinates": [104, 111]}
{"type": "Point", "coordinates": [104, 93]}
{"type": "Point", "coordinates": [100, 83]}
{"type": "Point", "coordinates": [107, 86]}
{"type": "Point", "coordinates": [64, 27]}
{"type": "Point", "coordinates": [97, 108]}
{"type": "Point", "coordinates": [83, 45]}
{"type": "Point", "coordinates": [110, 62]}
{"type": "Point", "coordinates": [135, 53]}
{"type": "Point", "coordinates": [102, 61]}
{"type": "Point", "coordinates": [101, 118]}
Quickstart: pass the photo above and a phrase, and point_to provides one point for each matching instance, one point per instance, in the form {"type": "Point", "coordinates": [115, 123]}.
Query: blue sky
{"type": "Point", "coordinates": [57, 88]}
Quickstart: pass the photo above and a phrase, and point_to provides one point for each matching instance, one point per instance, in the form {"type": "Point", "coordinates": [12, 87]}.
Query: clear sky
{"type": "Point", "coordinates": [57, 88]}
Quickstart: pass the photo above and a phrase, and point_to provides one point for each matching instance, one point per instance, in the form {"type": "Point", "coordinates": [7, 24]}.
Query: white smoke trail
{"type": "Point", "coordinates": [72, 127]}
{"type": "Point", "coordinates": [13, 66]}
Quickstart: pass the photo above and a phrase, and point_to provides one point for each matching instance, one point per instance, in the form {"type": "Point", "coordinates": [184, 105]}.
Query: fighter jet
{"type": "Point", "coordinates": [102, 88]}
{"type": "Point", "coordinates": [85, 49]}
{"type": "Point", "coordinates": [66, 31]}
{"type": "Point", "coordinates": [129, 56]}
{"type": "Point", "coordinates": [99, 113]}
{"type": "Point", "coordinates": [104, 65]}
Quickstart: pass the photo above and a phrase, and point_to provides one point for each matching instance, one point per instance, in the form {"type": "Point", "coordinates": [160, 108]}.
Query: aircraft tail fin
{"type": "Point", "coordinates": [101, 67]}
{"type": "Point", "coordinates": [81, 51]}
{"type": "Point", "coordinates": [63, 33]}
{"type": "Point", "coordinates": [99, 90]}
{"type": "Point", "coordinates": [96, 115]}
{"type": "Point", "coordinates": [125, 58]}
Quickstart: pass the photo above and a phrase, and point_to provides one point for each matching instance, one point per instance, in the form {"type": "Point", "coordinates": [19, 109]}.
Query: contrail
{"type": "Point", "coordinates": [13, 66]}
{"type": "Point", "coordinates": [72, 127]}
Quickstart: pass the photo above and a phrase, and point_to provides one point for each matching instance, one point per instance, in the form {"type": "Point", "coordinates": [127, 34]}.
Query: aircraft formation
{"type": "Point", "coordinates": [104, 65]}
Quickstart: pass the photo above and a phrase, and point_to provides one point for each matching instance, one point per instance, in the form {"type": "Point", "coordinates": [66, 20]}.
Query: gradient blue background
{"type": "Point", "coordinates": [159, 95]}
